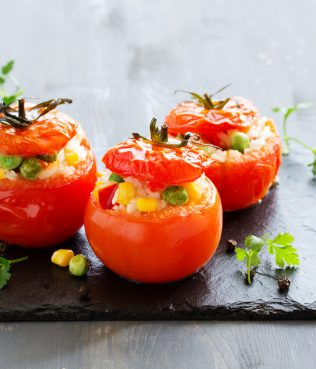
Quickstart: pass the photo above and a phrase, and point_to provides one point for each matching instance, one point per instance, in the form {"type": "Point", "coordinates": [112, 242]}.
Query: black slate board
{"type": "Point", "coordinates": [39, 290]}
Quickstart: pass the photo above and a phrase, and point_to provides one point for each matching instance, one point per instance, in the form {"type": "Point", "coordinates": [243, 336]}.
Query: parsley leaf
{"type": "Point", "coordinates": [5, 275]}
{"type": "Point", "coordinates": [11, 98]}
{"type": "Point", "coordinates": [253, 246]}
{"type": "Point", "coordinates": [285, 253]}
{"type": "Point", "coordinates": [5, 77]}
{"type": "Point", "coordinates": [6, 69]}
{"type": "Point", "coordinates": [5, 266]}
{"type": "Point", "coordinates": [280, 246]}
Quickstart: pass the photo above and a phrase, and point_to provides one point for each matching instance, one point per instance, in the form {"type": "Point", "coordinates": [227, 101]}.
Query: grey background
{"type": "Point", "coordinates": [120, 61]}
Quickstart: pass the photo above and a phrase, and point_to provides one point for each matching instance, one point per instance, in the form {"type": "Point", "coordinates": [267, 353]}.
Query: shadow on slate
{"type": "Point", "coordinates": [39, 290]}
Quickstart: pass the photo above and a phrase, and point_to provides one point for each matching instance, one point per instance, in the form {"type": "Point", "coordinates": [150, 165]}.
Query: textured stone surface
{"type": "Point", "coordinates": [120, 61]}
{"type": "Point", "coordinates": [41, 291]}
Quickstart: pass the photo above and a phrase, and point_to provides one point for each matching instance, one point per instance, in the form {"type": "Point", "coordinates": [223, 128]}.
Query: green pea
{"type": "Point", "coordinates": [79, 265]}
{"type": "Point", "coordinates": [10, 162]}
{"type": "Point", "coordinates": [175, 195]}
{"type": "Point", "coordinates": [239, 141]}
{"type": "Point", "coordinates": [30, 168]}
{"type": "Point", "coordinates": [116, 178]}
{"type": "Point", "coordinates": [49, 158]}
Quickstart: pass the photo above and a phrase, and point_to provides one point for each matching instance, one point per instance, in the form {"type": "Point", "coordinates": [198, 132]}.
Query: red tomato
{"type": "Point", "coordinates": [243, 180]}
{"type": "Point", "coordinates": [159, 247]}
{"type": "Point", "coordinates": [48, 135]}
{"type": "Point", "coordinates": [237, 114]}
{"type": "Point", "coordinates": [158, 165]}
{"type": "Point", "coordinates": [43, 213]}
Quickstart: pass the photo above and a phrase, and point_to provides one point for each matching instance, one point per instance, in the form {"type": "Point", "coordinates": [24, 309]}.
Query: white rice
{"type": "Point", "coordinates": [142, 190]}
{"type": "Point", "coordinates": [258, 135]}
{"type": "Point", "coordinates": [60, 166]}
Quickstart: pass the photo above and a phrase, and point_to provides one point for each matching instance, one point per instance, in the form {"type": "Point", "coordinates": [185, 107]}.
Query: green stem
{"type": "Point", "coordinates": [313, 150]}
{"type": "Point", "coordinates": [286, 147]}
{"type": "Point", "coordinates": [15, 261]}
{"type": "Point", "coordinates": [249, 268]}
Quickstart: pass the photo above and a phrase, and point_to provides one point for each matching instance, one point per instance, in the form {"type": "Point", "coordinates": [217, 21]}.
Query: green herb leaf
{"type": "Point", "coordinates": [6, 69]}
{"type": "Point", "coordinates": [280, 246]}
{"type": "Point", "coordinates": [285, 253]}
{"type": "Point", "coordinates": [5, 266]}
{"type": "Point", "coordinates": [240, 254]}
{"type": "Point", "coordinates": [255, 259]}
{"type": "Point", "coordinates": [255, 243]}
{"type": "Point", "coordinates": [9, 99]}
{"type": "Point", "coordinates": [5, 275]}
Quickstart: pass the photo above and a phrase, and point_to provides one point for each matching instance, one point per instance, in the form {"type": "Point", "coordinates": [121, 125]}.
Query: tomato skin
{"type": "Point", "coordinates": [192, 117]}
{"type": "Point", "coordinates": [158, 165]}
{"type": "Point", "coordinates": [244, 180]}
{"type": "Point", "coordinates": [39, 214]}
{"type": "Point", "coordinates": [48, 135]}
{"type": "Point", "coordinates": [150, 249]}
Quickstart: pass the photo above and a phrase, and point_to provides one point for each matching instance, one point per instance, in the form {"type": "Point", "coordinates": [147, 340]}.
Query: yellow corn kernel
{"type": "Point", "coordinates": [99, 183]}
{"type": "Point", "coordinates": [2, 173]}
{"type": "Point", "coordinates": [194, 191]}
{"type": "Point", "coordinates": [71, 157]}
{"type": "Point", "coordinates": [146, 204]}
{"type": "Point", "coordinates": [62, 257]}
{"type": "Point", "coordinates": [126, 193]}
{"type": "Point", "coordinates": [95, 193]}
{"type": "Point", "coordinates": [96, 189]}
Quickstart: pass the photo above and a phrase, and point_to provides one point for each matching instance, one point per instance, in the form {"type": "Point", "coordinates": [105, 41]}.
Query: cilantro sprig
{"type": "Point", "coordinates": [5, 77]}
{"type": "Point", "coordinates": [5, 266]}
{"type": "Point", "coordinates": [280, 247]}
{"type": "Point", "coordinates": [287, 112]}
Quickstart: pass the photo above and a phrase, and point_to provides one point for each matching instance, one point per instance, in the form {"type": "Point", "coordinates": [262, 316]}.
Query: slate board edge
{"type": "Point", "coordinates": [245, 311]}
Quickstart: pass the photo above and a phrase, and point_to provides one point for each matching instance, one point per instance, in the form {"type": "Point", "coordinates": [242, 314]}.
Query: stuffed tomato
{"type": "Point", "coordinates": [47, 170]}
{"type": "Point", "coordinates": [153, 216]}
{"type": "Point", "coordinates": [247, 155]}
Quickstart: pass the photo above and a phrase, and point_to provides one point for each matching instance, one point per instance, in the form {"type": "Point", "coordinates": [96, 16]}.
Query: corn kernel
{"type": "Point", "coordinates": [99, 183]}
{"type": "Point", "coordinates": [62, 257]}
{"type": "Point", "coordinates": [193, 190]}
{"type": "Point", "coordinates": [126, 193]}
{"type": "Point", "coordinates": [146, 204]}
{"type": "Point", "coordinates": [96, 189]}
{"type": "Point", "coordinates": [71, 157]}
{"type": "Point", "coordinates": [2, 173]}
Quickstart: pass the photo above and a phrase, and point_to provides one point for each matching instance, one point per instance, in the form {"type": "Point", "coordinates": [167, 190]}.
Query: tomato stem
{"type": "Point", "coordinates": [23, 119]}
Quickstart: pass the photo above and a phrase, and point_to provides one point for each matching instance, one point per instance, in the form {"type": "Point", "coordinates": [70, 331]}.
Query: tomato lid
{"type": "Point", "coordinates": [237, 113]}
{"type": "Point", "coordinates": [159, 163]}
{"type": "Point", "coordinates": [35, 130]}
